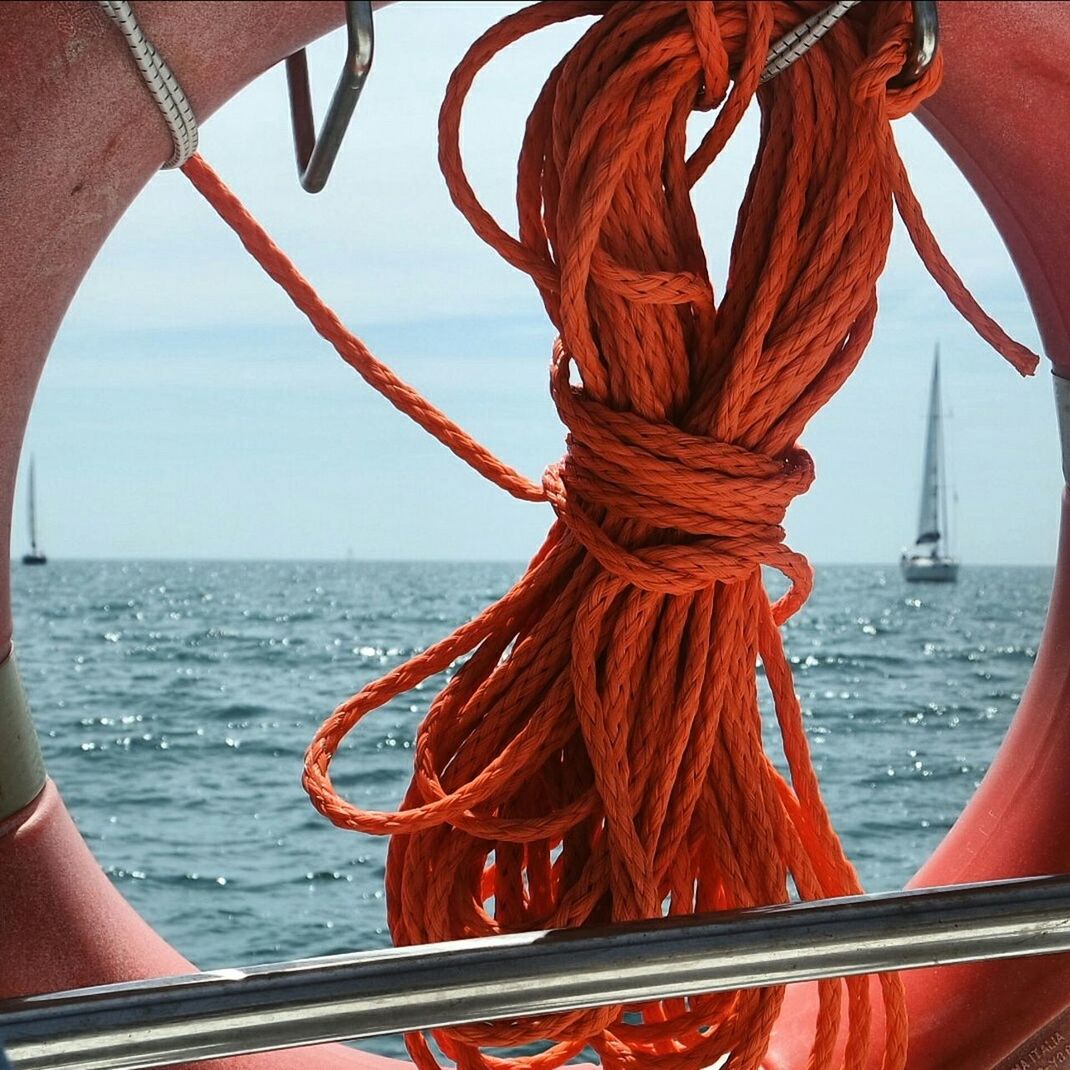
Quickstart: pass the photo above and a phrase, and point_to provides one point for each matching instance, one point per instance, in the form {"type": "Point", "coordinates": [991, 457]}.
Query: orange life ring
{"type": "Point", "coordinates": [79, 139]}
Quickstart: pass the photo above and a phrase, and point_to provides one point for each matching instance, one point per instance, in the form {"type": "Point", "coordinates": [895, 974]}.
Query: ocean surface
{"type": "Point", "coordinates": [175, 700]}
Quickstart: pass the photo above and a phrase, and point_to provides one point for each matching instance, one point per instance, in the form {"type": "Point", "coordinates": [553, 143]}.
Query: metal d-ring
{"type": "Point", "coordinates": [316, 155]}
{"type": "Point", "coordinates": [923, 46]}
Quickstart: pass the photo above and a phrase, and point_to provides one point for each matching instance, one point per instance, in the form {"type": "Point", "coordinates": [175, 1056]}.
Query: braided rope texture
{"type": "Point", "coordinates": [172, 102]}
{"type": "Point", "coordinates": [597, 754]}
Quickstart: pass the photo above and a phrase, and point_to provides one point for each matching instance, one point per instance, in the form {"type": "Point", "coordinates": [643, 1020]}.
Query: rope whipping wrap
{"type": "Point", "coordinates": [172, 102]}
{"type": "Point", "coordinates": [598, 757]}
{"type": "Point", "coordinates": [797, 42]}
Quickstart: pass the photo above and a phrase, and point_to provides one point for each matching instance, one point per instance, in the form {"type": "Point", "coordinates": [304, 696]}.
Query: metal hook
{"type": "Point", "coordinates": [315, 156]}
{"type": "Point", "coordinates": [923, 47]}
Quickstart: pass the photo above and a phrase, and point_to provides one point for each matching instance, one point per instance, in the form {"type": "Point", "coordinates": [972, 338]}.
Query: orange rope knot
{"type": "Point", "coordinates": [598, 754]}
{"type": "Point", "coordinates": [723, 503]}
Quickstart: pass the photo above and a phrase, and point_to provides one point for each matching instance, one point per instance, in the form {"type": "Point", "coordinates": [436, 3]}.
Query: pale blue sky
{"type": "Point", "coordinates": [188, 411]}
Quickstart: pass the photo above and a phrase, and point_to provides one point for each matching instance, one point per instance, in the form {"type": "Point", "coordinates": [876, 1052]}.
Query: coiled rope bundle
{"type": "Point", "coordinates": [598, 757]}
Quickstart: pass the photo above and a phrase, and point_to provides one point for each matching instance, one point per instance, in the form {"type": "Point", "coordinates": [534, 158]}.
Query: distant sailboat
{"type": "Point", "coordinates": [35, 556]}
{"type": "Point", "coordinates": [928, 559]}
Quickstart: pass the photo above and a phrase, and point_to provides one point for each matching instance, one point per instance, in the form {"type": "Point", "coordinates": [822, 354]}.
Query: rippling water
{"type": "Point", "coordinates": [175, 701]}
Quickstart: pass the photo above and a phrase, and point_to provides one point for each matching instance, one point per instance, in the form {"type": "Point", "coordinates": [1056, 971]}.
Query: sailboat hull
{"type": "Point", "coordinates": [929, 569]}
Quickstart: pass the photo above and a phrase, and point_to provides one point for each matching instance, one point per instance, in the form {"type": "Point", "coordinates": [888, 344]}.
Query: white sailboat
{"type": "Point", "coordinates": [35, 556]}
{"type": "Point", "coordinates": [930, 557]}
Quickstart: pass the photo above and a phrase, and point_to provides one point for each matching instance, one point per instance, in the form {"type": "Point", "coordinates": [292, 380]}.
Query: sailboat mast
{"type": "Point", "coordinates": [945, 526]}
{"type": "Point", "coordinates": [939, 491]}
{"type": "Point", "coordinates": [930, 525]}
{"type": "Point", "coordinates": [33, 510]}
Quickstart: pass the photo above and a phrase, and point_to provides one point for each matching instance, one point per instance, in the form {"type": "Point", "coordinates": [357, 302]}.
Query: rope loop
{"type": "Point", "coordinates": [889, 41]}
{"type": "Point", "coordinates": [706, 31]}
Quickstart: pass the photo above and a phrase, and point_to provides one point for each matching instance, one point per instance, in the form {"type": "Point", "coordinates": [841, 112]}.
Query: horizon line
{"type": "Point", "coordinates": [521, 562]}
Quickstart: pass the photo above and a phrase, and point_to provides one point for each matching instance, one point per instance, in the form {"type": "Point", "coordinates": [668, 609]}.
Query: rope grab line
{"type": "Point", "coordinates": [598, 757]}
{"type": "Point", "coordinates": [159, 79]}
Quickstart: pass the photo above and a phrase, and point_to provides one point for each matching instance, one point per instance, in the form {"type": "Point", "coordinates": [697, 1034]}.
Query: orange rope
{"type": "Point", "coordinates": [598, 757]}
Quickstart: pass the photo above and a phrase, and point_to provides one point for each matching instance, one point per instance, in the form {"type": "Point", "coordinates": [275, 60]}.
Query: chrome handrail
{"type": "Point", "coordinates": [155, 1023]}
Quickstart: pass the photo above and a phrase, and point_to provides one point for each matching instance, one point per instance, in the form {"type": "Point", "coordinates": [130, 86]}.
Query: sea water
{"type": "Point", "coordinates": [175, 700]}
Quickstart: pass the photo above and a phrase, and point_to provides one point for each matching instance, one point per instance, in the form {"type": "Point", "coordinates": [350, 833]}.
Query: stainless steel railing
{"type": "Point", "coordinates": [346, 997]}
